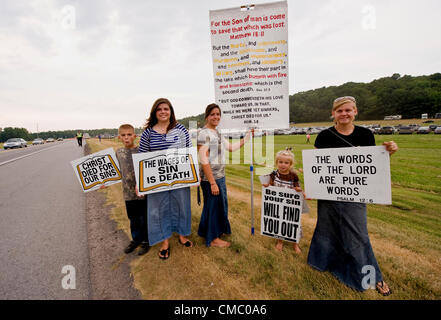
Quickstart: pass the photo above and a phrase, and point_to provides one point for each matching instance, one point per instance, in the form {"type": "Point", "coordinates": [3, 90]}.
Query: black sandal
{"type": "Point", "coordinates": [164, 254]}
{"type": "Point", "coordinates": [187, 243]}
{"type": "Point", "coordinates": [379, 286]}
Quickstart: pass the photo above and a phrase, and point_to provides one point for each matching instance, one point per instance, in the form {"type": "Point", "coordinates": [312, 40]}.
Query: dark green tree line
{"type": "Point", "coordinates": [405, 95]}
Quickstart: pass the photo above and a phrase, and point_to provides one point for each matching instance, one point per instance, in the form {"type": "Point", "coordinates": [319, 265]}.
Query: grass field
{"type": "Point", "coordinates": [405, 236]}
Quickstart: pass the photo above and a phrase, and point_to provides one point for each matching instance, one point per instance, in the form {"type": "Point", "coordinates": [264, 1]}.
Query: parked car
{"type": "Point", "coordinates": [414, 127]}
{"type": "Point", "coordinates": [50, 140]}
{"type": "Point", "coordinates": [233, 134]}
{"type": "Point", "coordinates": [386, 130]}
{"type": "Point", "coordinates": [15, 143]}
{"type": "Point", "coordinates": [428, 121]}
{"type": "Point", "coordinates": [432, 127]}
{"type": "Point", "coordinates": [38, 141]}
{"type": "Point", "coordinates": [437, 130]}
{"type": "Point", "coordinates": [405, 130]}
{"type": "Point", "coordinates": [60, 139]}
{"type": "Point", "coordinates": [423, 130]}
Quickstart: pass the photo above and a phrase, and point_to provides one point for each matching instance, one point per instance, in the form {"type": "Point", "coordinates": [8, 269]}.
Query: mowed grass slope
{"type": "Point", "coordinates": [405, 237]}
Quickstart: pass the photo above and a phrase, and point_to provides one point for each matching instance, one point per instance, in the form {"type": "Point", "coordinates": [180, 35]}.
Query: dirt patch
{"type": "Point", "coordinates": [110, 272]}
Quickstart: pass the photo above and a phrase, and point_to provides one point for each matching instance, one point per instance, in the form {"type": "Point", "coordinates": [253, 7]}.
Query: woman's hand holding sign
{"type": "Point", "coordinates": [391, 146]}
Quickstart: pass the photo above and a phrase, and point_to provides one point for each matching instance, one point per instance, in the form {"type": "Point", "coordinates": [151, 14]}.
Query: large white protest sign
{"type": "Point", "coordinates": [97, 169]}
{"type": "Point", "coordinates": [360, 174]}
{"type": "Point", "coordinates": [281, 213]}
{"type": "Point", "coordinates": [167, 169]}
{"type": "Point", "coordinates": [250, 65]}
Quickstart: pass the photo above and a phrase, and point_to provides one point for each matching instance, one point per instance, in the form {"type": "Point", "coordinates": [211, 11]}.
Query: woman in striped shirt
{"type": "Point", "coordinates": [168, 211]}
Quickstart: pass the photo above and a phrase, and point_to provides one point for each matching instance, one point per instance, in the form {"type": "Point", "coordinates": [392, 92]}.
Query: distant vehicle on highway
{"type": "Point", "coordinates": [50, 140]}
{"type": "Point", "coordinates": [423, 130]}
{"type": "Point", "coordinates": [15, 143]}
{"type": "Point", "coordinates": [386, 130]}
{"type": "Point", "coordinates": [405, 130]}
{"type": "Point", "coordinates": [38, 141]}
{"type": "Point", "coordinates": [60, 139]}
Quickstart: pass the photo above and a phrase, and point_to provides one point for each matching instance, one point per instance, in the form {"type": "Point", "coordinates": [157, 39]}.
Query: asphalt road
{"type": "Point", "coordinates": [11, 154]}
{"type": "Point", "coordinates": [42, 224]}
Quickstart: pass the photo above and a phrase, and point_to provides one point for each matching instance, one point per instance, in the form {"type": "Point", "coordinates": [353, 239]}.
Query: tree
{"type": "Point", "coordinates": [10, 132]}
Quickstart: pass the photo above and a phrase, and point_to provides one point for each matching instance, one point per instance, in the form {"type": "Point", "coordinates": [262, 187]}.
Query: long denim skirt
{"type": "Point", "coordinates": [214, 217]}
{"type": "Point", "coordinates": [341, 244]}
{"type": "Point", "coordinates": [168, 212]}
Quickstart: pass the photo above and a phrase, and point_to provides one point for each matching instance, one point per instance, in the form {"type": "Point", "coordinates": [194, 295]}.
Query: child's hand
{"type": "Point", "coordinates": [304, 196]}
{"type": "Point", "coordinates": [265, 185]}
{"type": "Point", "coordinates": [298, 189]}
{"type": "Point", "coordinates": [137, 193]}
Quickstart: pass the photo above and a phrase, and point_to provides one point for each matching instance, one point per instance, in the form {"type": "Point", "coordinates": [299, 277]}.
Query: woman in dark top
{"type": "Point", "coordinates": [340, 243]}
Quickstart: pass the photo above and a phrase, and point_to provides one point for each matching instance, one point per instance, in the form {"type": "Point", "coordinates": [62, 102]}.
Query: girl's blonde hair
{"type": "Point", "coordinates": [285, 153]}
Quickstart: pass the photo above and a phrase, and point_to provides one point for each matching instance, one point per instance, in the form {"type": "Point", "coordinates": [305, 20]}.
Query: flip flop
{"type": "Point", "coordinates": [380, 286]}
{"type": "Point", "coordinates": [164, 254]}
{"type": "Point", "coordinates": [187, 243]}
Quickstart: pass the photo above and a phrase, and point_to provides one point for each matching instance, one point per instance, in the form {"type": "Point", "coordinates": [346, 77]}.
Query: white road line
{"type": "Point", "coordinates": [27, 155]}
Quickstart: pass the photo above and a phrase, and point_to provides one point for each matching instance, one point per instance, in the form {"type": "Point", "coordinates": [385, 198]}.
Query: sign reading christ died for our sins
{"type": "Point", "coordinates": [360, 174]}
{"type": "Point", "coordinates": [250, 65]}
{"type": "Point", "coordinates": [167, 169]}
{"type": "Point", "coordinates": [97, 169]}
{"type": "Point", "coordinates": [281, 213]}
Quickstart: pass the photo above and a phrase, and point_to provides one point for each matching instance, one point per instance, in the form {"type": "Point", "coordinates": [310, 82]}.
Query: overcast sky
{"type": "Point", "coordinates": [97, 64]}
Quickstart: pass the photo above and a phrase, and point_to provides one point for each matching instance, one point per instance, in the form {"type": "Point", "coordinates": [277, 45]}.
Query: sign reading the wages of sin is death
{"type": "Point", "coordinates": [359, 174]}
{"type": "Point", "coordinates": [281, 213]}
{"type": "Point", "coordinates": [97, 169]}
{"type": "Point", "coordinates": [166, 170]}
{"type": "Point", "coordinates": [250, 65]}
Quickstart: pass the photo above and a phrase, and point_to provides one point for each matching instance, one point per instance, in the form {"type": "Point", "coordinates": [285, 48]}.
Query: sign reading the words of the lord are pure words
{"type": "Point", "coordinates": [250, 65]}
{"type": "Point", "coordinates": [97, 169]}
{"type": "Point", "coordinates": [281, 213]}
{"type": "Point", "coordinates": [360, 174]}
{"type": "Point", "coordinates": [167, 169]}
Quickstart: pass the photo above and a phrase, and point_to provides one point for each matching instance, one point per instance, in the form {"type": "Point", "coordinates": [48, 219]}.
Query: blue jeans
{"type": "Point", "coordinates": [168, 212]}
